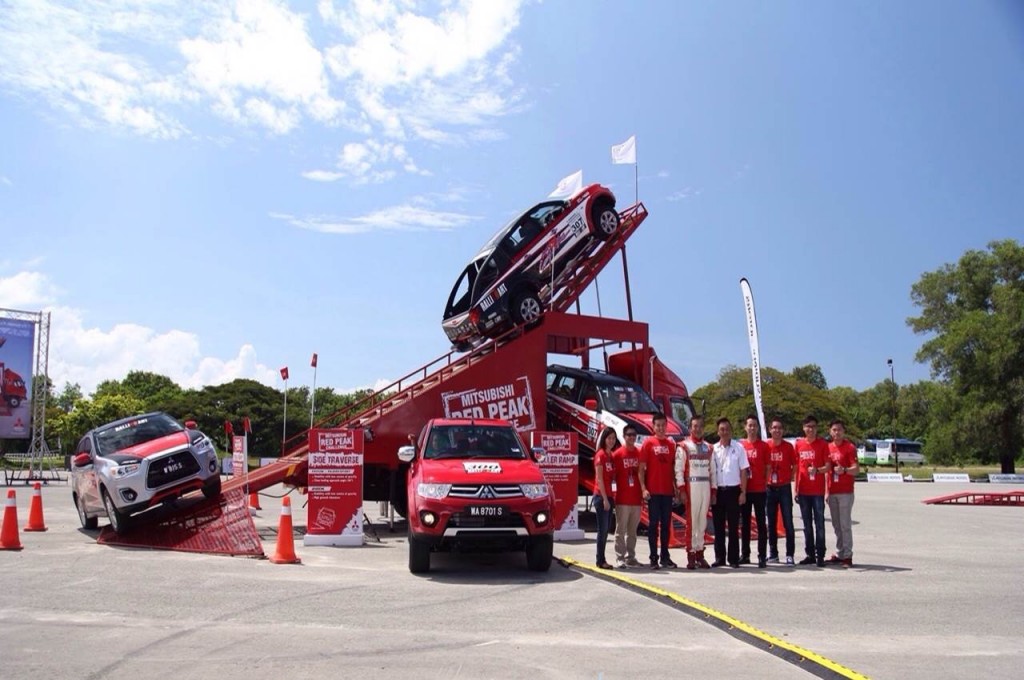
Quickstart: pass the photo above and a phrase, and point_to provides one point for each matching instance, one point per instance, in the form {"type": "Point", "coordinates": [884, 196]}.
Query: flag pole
{"type": "Point", "coordinates": [312, 403]}
{"type": "Point", "coordinates": [636, 178]}
{"type": "Point", "coordinates": [284, 425]}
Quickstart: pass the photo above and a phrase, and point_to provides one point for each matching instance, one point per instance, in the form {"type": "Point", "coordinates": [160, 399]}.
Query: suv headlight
{"type": "Point", "coordinates": [125, 470]}
{"type": "Point", "coordinates": [433, 490]}
{"type": "Point", "coordinates": [534, 490]}
{"type": "Point", "coordinates": [204, 446]}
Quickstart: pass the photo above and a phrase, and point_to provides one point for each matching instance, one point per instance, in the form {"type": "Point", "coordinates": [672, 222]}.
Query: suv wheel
{"type": "Point", "coordinates": [606, 220]}
{"type": "Point", "coordinates": [419, 555]}
{"type": "Point", "coordinates": [118, 519]}
{"type": "Point", "coordinates": [539, 553]}
{"type": "Point", "coordinates": [89, 523]}
{"type": "Point", "coordinates": [526, 307]}
{"type": "Point", "coordinates": [212, 488]}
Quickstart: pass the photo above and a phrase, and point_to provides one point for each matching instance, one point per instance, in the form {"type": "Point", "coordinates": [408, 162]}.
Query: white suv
{"type": "Point", "coordinates": [134, 463]}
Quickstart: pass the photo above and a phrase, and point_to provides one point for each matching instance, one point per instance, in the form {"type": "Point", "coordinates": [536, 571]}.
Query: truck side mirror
{"type": "Point", "coordinates": [539, 454]}
{"type": "Point", "coordinates": [406, 454]}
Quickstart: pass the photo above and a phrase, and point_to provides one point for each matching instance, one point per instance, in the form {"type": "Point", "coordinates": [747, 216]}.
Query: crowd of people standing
{"type": "Point", "coordinates": [747, 483]}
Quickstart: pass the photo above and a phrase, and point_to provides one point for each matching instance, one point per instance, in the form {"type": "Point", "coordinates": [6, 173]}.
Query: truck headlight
{"type": "Point", "coordinates": [534, 490]}
{"type": "Point", "coordinates": [433, 490]}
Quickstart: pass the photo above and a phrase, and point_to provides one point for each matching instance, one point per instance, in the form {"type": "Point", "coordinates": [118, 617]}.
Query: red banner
{"type": "Point", "coordinates": [561, 468]}
{"type": "Point", "coordinates": [511, 401]}
{"type": "Point", "coordinates": [239, 455]}
{"type": "Point", "coordinates": [335, 478]}
{"type": "Point", "coordinates": [284, 373]}
{"type": "Point", "coordinates": [313, 362]}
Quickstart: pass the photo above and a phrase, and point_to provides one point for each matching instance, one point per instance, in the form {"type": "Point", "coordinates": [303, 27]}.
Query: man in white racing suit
{"type": "Point", "coordinates": [695, 480]}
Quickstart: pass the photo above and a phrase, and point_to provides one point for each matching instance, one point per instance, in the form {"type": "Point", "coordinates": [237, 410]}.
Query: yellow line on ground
{"type": "Point", "coordinates": [822, 661]}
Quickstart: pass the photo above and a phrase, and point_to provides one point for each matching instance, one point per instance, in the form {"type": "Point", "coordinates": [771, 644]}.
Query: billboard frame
{"type": "Point", "coordinates": [39, 466]}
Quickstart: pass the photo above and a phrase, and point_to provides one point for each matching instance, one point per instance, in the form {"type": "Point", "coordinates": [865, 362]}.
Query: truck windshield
{"type": "Point", "coordinates": [474, 441]}
{"type": "Point", "coordinates": [626, 399]}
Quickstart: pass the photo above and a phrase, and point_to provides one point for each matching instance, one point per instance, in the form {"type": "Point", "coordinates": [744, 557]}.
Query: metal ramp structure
{"type": "Point", "coordinates": [391, 415]}
{"type": "Point", "coordinates": [1004, 498]}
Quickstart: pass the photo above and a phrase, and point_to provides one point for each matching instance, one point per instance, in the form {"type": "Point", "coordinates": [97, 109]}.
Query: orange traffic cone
{"type": "Point", "coordinates": [35, 511]}
{"type": "Point", "coordinates": [254, 501]}
{"type": "Point", "coordinates": [284, 553]}
{"type": "Point", "coordinates": [9, 531]}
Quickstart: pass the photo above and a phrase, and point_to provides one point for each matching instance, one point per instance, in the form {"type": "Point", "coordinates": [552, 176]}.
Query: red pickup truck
{"type": "Point", "coordinates": [473, 486]}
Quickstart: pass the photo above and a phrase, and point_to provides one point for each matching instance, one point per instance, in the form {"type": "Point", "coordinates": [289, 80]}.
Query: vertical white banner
{"type": "Point", "coordinates": [755, 358]}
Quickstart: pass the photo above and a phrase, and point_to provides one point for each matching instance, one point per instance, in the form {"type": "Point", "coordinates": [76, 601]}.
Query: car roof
{"type": "Point", "coordinates": [470, 421]}
{"type": "Point", "coordinates": [593, 374]}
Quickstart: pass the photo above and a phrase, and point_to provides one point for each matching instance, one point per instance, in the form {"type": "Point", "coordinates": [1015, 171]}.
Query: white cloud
{"type": "Point", "coordinates": [395, 218]}
{"type": "Point", "coordinates": [362, 163]}
{"type": "Point", "coordinates": [88, 355]}
{"type": "Point", "coordinates": [6, 181]}
{"type": "Point", "coordinates": [684, 194]}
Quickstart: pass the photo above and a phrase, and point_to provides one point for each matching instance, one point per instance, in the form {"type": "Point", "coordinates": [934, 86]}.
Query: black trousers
{"type": "Point", "coordinates": [726, 514]}
{"type": "Point", "coordinates": [756, 501]}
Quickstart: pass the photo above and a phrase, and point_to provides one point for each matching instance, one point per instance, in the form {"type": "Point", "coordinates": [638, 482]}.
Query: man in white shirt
{"type": "Point", "coordinates": [731, 472]}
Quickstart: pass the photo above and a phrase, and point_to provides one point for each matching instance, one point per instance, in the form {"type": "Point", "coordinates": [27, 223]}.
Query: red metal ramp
{"type": "Point", "coordinates": [1012, 498]}
{"type": "Point", "coordinates": [194, 525]}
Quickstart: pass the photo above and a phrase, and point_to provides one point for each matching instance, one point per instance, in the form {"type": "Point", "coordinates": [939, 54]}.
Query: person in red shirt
{"type": "Point", "coordinates": [843, 456]}
{"type": "Point", "coordinates": [781, 473]}
{"type": "Point", "coordinates": [813, 466]}
{"type": "Point", "coordinates": [657, 483]}
{"type": "Point", "coordinates": [757, 456]}
{"type": "Point", "coordinates": [628, 499]}
{"type": "Point", "coordinates": [604, 472]}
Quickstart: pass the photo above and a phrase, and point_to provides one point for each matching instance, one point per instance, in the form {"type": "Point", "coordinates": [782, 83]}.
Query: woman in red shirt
{"type": "Point", "coordinates": [604, 473]}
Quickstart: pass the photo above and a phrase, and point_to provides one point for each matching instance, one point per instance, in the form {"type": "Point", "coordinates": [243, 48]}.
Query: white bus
{"type": "Point", "coordinates": [886, 451]}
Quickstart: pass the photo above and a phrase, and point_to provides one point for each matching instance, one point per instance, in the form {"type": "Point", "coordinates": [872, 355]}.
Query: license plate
{"type": "Point", "coordinates": [487, 511]}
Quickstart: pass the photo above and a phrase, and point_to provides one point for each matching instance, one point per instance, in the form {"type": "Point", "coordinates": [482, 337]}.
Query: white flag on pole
{"type": "Point", "coordinates": [569, 185]}
{"type": "Point", "coordinates": [625, 152]}
{"type": "Point", "coordinates": [755, 358]}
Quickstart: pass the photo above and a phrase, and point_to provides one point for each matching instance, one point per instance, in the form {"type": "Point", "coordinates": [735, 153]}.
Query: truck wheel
{"type": "Point", "coordinates": [606, 220]}
{"type": "Point", "coordinates": [539, 553]}
{"type": "Point", "coordinates": [212, 488]}
{"type": "Point", "coordinates": [526, 307]}
{"type": "Point", "coordinates": [118, 520]}
{"type": "Point", "coordinates": [89, 523]}
{"type": "Point", "coordinates": [419, 555]}
{"type": "Point", "coordinates": [13, 402]}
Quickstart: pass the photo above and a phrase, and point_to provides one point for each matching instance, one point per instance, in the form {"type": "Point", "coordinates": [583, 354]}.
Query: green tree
{"type": "Point", "coordinates": [974, 311]}
{"type": "Point", "coordinates": [88, 414]}
{"type": "Point", "coordinates": [783, 396]}
{"type": "Point", "coordinates": [812, 375]}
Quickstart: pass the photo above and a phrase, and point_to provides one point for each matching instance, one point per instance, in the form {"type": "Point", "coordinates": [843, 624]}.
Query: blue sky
{"type": "Point", "coordinates": [216, 190]}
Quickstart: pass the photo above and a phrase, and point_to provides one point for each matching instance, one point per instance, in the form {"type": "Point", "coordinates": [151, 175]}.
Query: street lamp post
{"type": "Point", "coordinates": [892, 379]}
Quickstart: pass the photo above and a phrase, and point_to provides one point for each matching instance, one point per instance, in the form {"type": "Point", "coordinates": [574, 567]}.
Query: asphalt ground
{"type": "Point", "coordinates": [935, 593]}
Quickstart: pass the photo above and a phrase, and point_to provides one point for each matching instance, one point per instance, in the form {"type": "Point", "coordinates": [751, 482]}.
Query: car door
{"type": "Point", "coordinates": [86, 485]}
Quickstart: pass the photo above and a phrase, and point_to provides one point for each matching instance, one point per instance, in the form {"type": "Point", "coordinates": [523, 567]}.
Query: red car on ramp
{"type": "Point", "coordinates": [509, 282]}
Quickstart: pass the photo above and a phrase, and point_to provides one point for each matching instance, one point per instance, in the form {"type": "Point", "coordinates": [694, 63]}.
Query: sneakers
{"type": "Point", "coordinates": [761, 564]}
{"type": "Point", "coordinates": [835, 559]}
{"type": "Point", "coordinates": [806, 561]}
{"type": "Point", "coordinates": [789, 560]}
{"type": "Point", "coordinates": [632, 562]}
{"type": "Point", "coordinates": [654, 565]}
{"type": "Point", "coordinates": [846, 563]}
{"type": "Point", "coordinates": [668, 564]}
{"type": "Point", "coordinates": [774, 559]}
{"type": "Point", "coordinates": [620, 564]}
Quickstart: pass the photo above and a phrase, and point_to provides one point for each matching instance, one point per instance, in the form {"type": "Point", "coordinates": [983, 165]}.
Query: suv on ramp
{"type": "Point", "coordinates": [131, 464]}
{"type": "Point", "coordinates": [473, 486]}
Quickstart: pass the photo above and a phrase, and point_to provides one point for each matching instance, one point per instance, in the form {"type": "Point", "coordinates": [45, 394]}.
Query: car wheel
{"type": "Point", "coordinates": [212, 489]}
{"type": "Point", "coordinates": [89, 523]}
{"type": "Point", "coordinates": [606, 220]}
{"type": "Point", "coordinates": [419, 555]}
{"type": "Point", "coordinates": [118, 519]}
{"type": "Point", "coordinates": [526, 307]}
{"type": "Point", "coordinates": [539, 553]}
